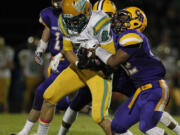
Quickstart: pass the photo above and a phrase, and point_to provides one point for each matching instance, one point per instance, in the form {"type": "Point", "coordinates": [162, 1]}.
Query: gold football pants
{"type": "Point", "coordinates": [71, 79]}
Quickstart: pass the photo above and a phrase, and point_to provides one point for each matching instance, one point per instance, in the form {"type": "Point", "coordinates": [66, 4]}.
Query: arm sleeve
{"type": "Point", "coordinates": [106, 39]}
{"type": "Point", "coordinates": [130, 43]}
{"type": "Point", "coordinates": [44, 18]}
{"type": "Point", "coordinates": [67, 44]}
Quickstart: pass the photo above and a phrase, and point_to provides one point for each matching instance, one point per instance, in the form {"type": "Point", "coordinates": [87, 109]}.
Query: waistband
{"type": "Point", "coordinates": [148, 86]}
{"type": "Point", "coordinates": [61, 59]}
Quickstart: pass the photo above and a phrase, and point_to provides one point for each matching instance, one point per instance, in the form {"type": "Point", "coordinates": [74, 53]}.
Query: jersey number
{"type": "Point", "coordinates": [57, 42]}
{"type": "Point", "coordinates": [129, 69]}
{"type": "Point", "coordinates": [105, 36]}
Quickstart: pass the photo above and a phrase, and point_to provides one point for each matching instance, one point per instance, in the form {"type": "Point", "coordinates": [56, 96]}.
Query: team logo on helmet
{"type": "Point", "coordinates": [80, 5]}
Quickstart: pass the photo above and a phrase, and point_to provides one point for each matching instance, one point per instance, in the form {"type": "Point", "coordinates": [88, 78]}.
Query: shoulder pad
{"type": "Point", "coordinates": [102, 21]}
{"type": "Point", "coordinates": [130, 39]}
{"type": "Point", "coordinates": [44, 16]}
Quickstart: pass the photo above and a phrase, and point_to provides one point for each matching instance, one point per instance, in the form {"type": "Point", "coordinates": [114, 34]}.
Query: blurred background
{"type": "Point", "coordinates": [20, 32]}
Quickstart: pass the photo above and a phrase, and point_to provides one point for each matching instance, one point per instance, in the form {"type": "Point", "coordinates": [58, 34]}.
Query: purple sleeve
{"type": "Point", "coordinates": [130, 50]}
{"type": "Point", "coordinates": [45, 18]}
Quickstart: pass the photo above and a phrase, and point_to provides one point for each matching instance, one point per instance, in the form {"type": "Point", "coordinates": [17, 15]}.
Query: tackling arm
{"type": "Point", "coordinates": [110, 59]}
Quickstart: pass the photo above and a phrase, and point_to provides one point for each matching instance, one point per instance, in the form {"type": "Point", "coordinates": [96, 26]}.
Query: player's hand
{"type": "Point", "coordinates": [38, 57]}
{"type": "Point", "coordinates": [90, 44]}
{"type": "Point", "coordinates": [55, 62]}
{"type": "Point", "coordinates": [84, 62]}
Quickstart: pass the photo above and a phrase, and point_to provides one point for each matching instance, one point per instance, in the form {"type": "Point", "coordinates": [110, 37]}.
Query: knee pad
{"type": "Point", "coordinates": [155, 131]}
{"type": "Point", "coordinates": [118, 127]}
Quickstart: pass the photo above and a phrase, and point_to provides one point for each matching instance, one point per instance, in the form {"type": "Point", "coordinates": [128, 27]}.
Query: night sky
{"type": "Point", "coordinates": [19, 19]}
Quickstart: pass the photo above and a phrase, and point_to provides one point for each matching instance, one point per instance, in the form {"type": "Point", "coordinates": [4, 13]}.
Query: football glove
{"type": "Point", "coordinates": [84, 62]}
{"type": "Point", "coordinates": [42, 46]}
{"type": "Point", "coordinates": [38, 57]}
{"type": "Point", "coordinates": [55, 62]}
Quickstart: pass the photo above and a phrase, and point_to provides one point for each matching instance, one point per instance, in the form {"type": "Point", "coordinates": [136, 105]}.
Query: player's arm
{"type": "Point", "coordinates": [112, 60]}
{"type": "Point", "coordinates": [68, 50]}
{"type": "Point", "coordinates": [43, 43]}
{"type": "Point", "coordinates": [71, 56]}
{"type": "Point", "coordinates": [130, 44]}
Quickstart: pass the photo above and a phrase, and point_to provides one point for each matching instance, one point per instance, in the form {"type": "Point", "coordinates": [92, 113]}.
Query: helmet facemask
{"type": "Point", "coordinates": [76, 23]}
{"type": "Point", "coordinates": [121, 21]}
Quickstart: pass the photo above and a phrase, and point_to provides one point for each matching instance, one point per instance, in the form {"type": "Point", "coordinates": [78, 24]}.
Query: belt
{"type": "Point", "coordinates": [138, 91]}
{"type": "Point", "coordinates": [61, 59]}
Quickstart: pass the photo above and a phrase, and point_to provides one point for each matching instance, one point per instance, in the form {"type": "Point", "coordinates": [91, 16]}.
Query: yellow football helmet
{"type": "Point", "coordinates": [106, 5]}
{"type": "Point", "coordinates": [129, 18]}
{"type": "Point", "coordinates": [76, 14]}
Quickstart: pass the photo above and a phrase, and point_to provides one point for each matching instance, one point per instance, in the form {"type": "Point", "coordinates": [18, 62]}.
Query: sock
{"type": "Point", "coordinates": [177, 129]}
{"type": "Point", "coordinates": [126, 133]}
{"type": "Point", "coordinates": [27, 127]}
{"type": "Point", "coordinates": [170, 122]}
{"type": "Point", "coordinates": [63, 131]}
{"type": "Point", "coordinates": [69, 117]}
{"type": "Point", "coordinates": [43, 127]}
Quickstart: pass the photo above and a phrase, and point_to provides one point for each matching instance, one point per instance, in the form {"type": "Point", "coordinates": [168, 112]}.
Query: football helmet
{"type": "Point", "coordinates": [56, 4]}
{"type": "Point", "coordinates": [106, 5]}
{"type": "Point", "coordinates": [129, 18]}
{"type": "Point", "coordinates": [76, 14]}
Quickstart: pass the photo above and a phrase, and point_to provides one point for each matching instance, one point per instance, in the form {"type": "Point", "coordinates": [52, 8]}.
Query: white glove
{"type": "Point", "coordinates": [42, 46]}
{"type": "Point", "coordinates": [90, 44]}
{"type": "Point", "coordinates": [38, 57]}
{"type": "Point", "coordinates": [55, 62]}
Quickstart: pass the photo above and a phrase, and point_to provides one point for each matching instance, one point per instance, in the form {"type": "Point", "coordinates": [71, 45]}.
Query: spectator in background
{"type": "Point", "coordinates": [176, 90]}
{"type": "Point", "coordinates": [31, 71]}
{"type": "Point", "coordinates": [6, 65]}
{"type": "Point", "coordinates": [168, 54]}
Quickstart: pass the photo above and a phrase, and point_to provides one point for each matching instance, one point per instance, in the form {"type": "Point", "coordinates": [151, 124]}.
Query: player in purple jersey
{"type": "Point", "coordinates": [121, 83]}
{"type": "Point", "coordinates": [144, 70]}
{"type": "Point", "coordinates": [52, 38]}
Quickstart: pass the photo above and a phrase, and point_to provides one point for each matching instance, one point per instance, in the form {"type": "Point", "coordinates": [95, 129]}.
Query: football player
{"type": "Point", "coordinates": [145, 71]}
{"type": "Point", "coordinates": [79, 23]}
{"type": "Point", "coordinates": [84, 96]}
{"type": "Point", "coordinates": [52, 36]}
{"type": "Point", "coordinates": [121, 84]}
{"type": "Point", "coordinates": [6, 65]}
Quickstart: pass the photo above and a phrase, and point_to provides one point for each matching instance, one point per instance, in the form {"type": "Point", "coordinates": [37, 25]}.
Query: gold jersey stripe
{"type": "Point", "coordinates": [100, 24]}
{"type": "Point", "coordinates": [109, 47]}
{"type": "Point", "coordinates": [67, 45]}
{"type": "Point", "coordinates": [130, 39]}
{"type": "Point", "coordinates": [165, 96]}
{"type": "Point", "coordinates": [61, 25]}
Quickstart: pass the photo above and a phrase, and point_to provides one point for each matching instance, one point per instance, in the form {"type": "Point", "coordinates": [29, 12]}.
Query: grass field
{"type": "Point", "coordinates": [12, 123]}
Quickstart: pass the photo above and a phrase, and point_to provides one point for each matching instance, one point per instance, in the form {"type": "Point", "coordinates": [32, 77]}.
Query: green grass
{"type": "Point", "coordinates": [12, 123]}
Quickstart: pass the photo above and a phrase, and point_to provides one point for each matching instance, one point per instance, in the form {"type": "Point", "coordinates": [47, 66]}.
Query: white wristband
{"type": "Point", "coordinates": [76, 63]}
{"type": "Point", "coordinates": [103, 54]}
{"type": "Point", "coordinates": [42, 46]}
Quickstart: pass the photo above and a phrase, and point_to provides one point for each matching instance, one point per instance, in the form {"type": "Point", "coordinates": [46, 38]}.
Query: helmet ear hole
{"type": "Point", "coordinates": [135, 24]}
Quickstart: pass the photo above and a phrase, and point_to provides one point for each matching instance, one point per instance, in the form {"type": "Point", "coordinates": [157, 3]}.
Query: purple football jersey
{"type": "Point", "coordinates": [50, 20]}
{"type": "Point", "coordinates": [142, 66]}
